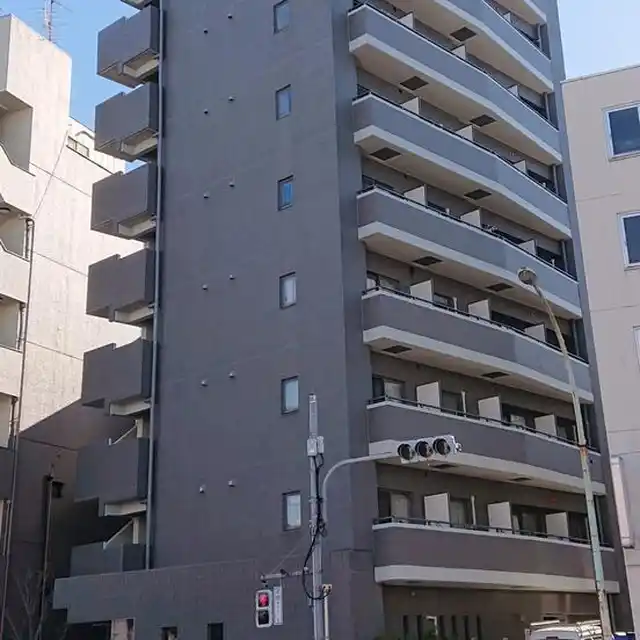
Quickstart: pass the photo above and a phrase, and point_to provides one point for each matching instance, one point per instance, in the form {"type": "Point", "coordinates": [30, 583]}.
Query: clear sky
{"type": "Point", "coordinates": [598, 35]}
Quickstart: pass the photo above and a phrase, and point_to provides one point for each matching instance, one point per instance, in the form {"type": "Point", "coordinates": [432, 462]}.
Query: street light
{"type": "Point", "coordinates": [529, 277]}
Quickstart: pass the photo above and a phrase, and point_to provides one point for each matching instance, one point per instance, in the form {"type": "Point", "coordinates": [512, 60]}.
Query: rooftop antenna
{"type": "Point", "coordinates": [48, 19]}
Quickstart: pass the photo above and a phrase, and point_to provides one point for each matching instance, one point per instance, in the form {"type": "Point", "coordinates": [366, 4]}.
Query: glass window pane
{"type": "Point", "coordinates": [285, 193]}
{"type": "Point", "coordinates": [293, 511]}
{"type": "Point", "coordinates": [283, 102]}
{"type": "Point", "coordinates": [288, 290]}
{"type": "Point", "coordinates": [631, 225]}
{"type": "Point", "coordinates": [281, 16]}
{"type": "Point", "coordinates": [459, 511]}
{"type": "Point", "coordinates": [625, 130]}
{"type": "Point", "coordinates": [444, 300]}
{"type": "Point", "coordinates": [452, 401]}
{"type": "Point", "coordinates": [290, 395]}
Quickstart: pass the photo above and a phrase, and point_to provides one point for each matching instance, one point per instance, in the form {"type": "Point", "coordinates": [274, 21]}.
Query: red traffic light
{"type": "Point", "coordinates": [263, 599]}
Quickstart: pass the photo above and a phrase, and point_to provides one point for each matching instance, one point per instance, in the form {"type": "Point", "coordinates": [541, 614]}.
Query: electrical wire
{"type": "Point", "coordinates": [318, 530]}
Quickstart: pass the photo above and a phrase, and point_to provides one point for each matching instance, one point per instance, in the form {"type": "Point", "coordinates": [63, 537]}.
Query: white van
{"type": "Point", "coordinates": [557, 630]}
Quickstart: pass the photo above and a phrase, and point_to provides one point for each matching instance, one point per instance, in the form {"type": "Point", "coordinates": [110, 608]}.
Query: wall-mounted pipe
{"type": "Point", "coordinates": [156, 298]}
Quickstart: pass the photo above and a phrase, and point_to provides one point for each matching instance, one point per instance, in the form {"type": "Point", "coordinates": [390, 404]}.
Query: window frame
{"type": "Point", "coordinates": [282, 205]}
{"type": "Point", "coordinates": [291, 276]}
{"type": "Point", "coordinates": [285, 511]}
{"type": "Point", "coordinates": [276, 7]}
{"type": "Point", "coordinates": [611, 151]}
{"type": "Point", "coordinates": [623, 237]}
{"type": "Point", "coordinates": [283, 386]}
{"type": "Point", "coordinates": [286, 90]}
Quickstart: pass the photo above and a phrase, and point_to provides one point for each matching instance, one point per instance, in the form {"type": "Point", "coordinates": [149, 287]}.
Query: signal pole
{"type": "Point", "coordinates": [408, 452]}
{"type": "Point", "coordinates": [315, 449]}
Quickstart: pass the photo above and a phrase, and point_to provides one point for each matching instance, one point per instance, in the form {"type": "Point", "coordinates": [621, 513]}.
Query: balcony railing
{"type": "Point", "coordinates": [474, 416]}
{"type": "Point", "coordinates": [433, 123]}
{"type": "Point", "coordinates": [539, 111]}
{"type": "Point", "coordinates": [487, 231]}
{"type": "Point", "coordinates": [479, 527]}
{"type": "Point", "coordinates": [534, 41]}
{"type": "Point", "coordinates": [495, 323]}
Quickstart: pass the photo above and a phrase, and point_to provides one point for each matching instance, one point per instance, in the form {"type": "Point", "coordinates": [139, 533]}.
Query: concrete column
{"type": "Point", "coordinates": [537, 331]}
{"type": "Point", "coordinates": [558, 524]}
{"type": "Point", "coordinates": [490, 408]}
{"type": "Point", "coordinates": [500, 515]}
{"type": "Point", "coordinates": [546, 424]}
{"type": "Point", "coordinates": [473, 217]}
{"type": "Point", "coordinates": [436, 508]}
{"type": "Point", "coordinates": [429, 394]}
{"type": "Point", "coordinates": [481, 308]}
{"type": "Point", "coordinates": [419, 195]}
{"type": "Point", "coordinates": [423, 290]}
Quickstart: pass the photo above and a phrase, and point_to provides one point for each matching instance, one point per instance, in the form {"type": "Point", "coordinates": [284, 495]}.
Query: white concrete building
{"type": "Point", "coordinates": [603, 120]}
{"type": "Point", "coordinates": [48, 166]}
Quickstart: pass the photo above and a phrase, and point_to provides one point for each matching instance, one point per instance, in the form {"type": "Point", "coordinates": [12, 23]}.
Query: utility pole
{"type": "Point", "coordinates": [315, 450]}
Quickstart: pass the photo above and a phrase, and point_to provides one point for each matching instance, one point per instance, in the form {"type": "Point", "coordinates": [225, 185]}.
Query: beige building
{"type": "Point", "coordinates": [603, 120]}
{"type": "Point", "coordinates": [47, 169]}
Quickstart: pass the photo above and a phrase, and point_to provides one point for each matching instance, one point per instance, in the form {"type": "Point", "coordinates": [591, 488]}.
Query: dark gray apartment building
{"type": "Point", "coordinates": [335, 198]}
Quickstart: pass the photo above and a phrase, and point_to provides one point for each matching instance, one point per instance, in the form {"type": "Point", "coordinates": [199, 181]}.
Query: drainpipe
{"type": "Point", "coordinates": [148, 560]}
{"type": "Point", "coordinates": [16, 424]}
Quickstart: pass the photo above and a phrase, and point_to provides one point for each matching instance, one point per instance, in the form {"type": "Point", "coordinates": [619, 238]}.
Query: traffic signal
{"type": "Point", "coordinates": [420, 450]}
{"type": "Point", "coordinates": [264, 608]}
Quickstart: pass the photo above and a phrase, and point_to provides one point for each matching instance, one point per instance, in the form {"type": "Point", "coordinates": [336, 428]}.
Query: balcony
{"type": "Point", "coordinates": [436, 554]}
{"type": "Point", "coordinates": [118, 379]}
{"type": "Point", "coordinates": [124, 204]}
{"type": "Point", "coordinates": [491, 447]}
{"type": "Point", "coordinates": [421, 331]}
{"type": "Point", "coordinates": [400, 227]}
{"type": "Point", "coordinates": [530, 10]}
{"type": "Point", "coordinates": [488, 36]}
{"type": "Point", "coordinates": [17, 186]}
{"type": "Point", "coordinates": [14, 275]}
{"type": "Point", "coordinates": [115, 473]}
{"type": "Point", "coordinates": [391, 49]}
{"type": "Point", "coordinates": [122, 289]}
{"type": "Point", "coordinates": [127, 125]}
{"type": "Point", "coordinates": [96, 559]}
{"type": "Point", "coordinates": [129, 49]}
{"type": "Point", "coordinates": [411, 144]}
{"type": "Point", "coordinates": [10, 367]}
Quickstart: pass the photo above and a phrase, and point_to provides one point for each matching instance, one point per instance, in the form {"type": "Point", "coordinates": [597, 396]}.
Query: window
{"type": "Point", "coordinates": [290, 395]}
{"type": "Point", "coordinates": [631, 238]}
{"type": "Point", "coordinates": [80, 148]}
{"type": "Point", "coordinates": [624, 130]}
{"type": "Point", "coordinates": [170, 633]}
{"type": "Point", "coordinates": [281, 16]}
{"type": "Point", "coordinates": [215, 631]}
{"type": "Point", "coordinates": [460, 512]}
{"type": "Point", "coordinates": [528, 520]}
{"type": "Point", "coordinates": [444, 300]}
{"type": "Point", "coordinates": [285, 193]}
{"type": "Point", "coordinates": [387, 388]}
{"type": "Point", "coordinates": [566, 429]}
{"type": "Point", "coordinates": [292, 511]}
{"type": "Point", "coordinates": [452, 401]}
{"type": "Point", "coordinates": [375, 280]}
{"type": "Point", "coordinates": [288, 290]}
{"type": "Point", "coordinates": [283, 102]}
{"type": "Point", "coordinates": [578, 529]}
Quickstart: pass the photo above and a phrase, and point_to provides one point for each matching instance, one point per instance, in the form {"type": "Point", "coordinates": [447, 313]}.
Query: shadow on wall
{"type": "Point", "coordinates": [47, 521]}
